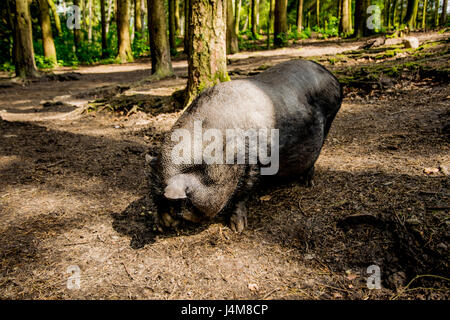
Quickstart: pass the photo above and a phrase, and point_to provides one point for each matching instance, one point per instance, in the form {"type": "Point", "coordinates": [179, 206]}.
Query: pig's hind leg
{"type": "Point", "coordinates": [307, 179]}
{"type": "Point", "coordinates": [238, 218]}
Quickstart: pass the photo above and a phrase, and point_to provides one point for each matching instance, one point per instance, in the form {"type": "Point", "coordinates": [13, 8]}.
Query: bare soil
{"type": "Point", "coordinates": [74, 189]}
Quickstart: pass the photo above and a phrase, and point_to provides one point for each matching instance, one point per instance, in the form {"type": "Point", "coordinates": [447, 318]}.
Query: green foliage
{"type": "Point", "coordinates": [43, 62]}
{"type": "Point", "coordinates": [140, 46]}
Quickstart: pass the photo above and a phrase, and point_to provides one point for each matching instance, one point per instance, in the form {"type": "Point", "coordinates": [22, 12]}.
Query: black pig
{"type": "Point", "coordinates": [298, 98]}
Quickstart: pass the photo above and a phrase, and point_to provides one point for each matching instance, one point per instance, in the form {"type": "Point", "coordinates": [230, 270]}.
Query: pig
{"type": "Point", "coordinates": [298, 98]}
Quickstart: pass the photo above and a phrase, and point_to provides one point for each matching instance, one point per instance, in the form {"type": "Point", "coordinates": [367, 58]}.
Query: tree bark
{"type": "Point", "coordinates": [47, 36]}
{"type": "Point", "coordinates": [55, 16]}
{"type": "Point", "coordinates": [387, 14]}
{"type": "Point", "coordinates": [187, 23]}
{"type": "Point", "coordinates": [424, 14]}
{"type": "Point", "coordinates": [237, 16]}
{"type": "Point", "coordinates": [77, 34]}
{"type": "Point", "coordinates": [280, 23]}
{"type": "Point", "coordinates": [300, 15]}
{"type": "Point", "coordinates": [137, 18]}
{"type": "Point", "coordinates": [360, 18]}
{"type": "Point", "coordinates": [436, 13]}
{"type": "Point", "coordinates": [345, 18]}
{"type": "Point", "coordinates": [318, 13]}
{"type": "Point", "coordinates": [270, 21]}
{"type": "Point", "coordinates": [444, 13]}
{"type": "Point", "coordinates": [177, 17]}
{"type": "Point", "coordinates": [90, 20]}
{"type": "Point", "coordinates": [23, 42]}
{"type": "Point", "coordinates": [411, 14]}
{"type": "Point", "coordinates": [123, 32]}
{"type": "Point", "coordinates": [159, 43]}
{"type": "Point", "coordinates": [172, 27]}
{"type": "Point", "coordinates": [254, 25]}
{"type": "Point", "coordinates": [103, 23]}
{"type": "Point", "coordinates": [394, 13]}
{"type": "Point", "coordinates": [207, 61]}
{"type": "Point", "coordinates": [108, 15]}
{"type": "Point", "coordinates": [232, 40]}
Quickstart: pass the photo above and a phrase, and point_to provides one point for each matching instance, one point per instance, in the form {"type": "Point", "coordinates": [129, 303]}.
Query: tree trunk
{"type": "Point", "coordinates": [280, 23]}
{"type": "Point", "coordinates": [177, 17]}
{"type": "Point", "coordinates": [90, 21]}
{"type": "Point", "coordinates": [424, 14]}
{"type": "Point", "coordinates": [55, 16]}
{"type": "Point", "coordinates": [237, 16]}
{"type": "Point", "coordinates": [436, 13]}
{"type": "Point", "coordinates": [350, 22]}
{"type": "Point", "coordinates": [444, 13]}
{"type": "Point", "coordinates": [232, 40]}
{"type": "Point", "coordinates": [270, 21]}
{"type": "Point", "coordinates": [103, 22]}
{"type": "Point", "coordinates": [345, 18]}
{"type": "Point", "coordinates": [318, 13]}
{"type": "Point", "coordinates": [108, 16]}
{"type": "Point", "coordinates": [207, 61]}
{"type": "Point", "coordinates": [172, 27]}
{"type": "Point", "coordinates": [47, 36]}
{"type": "Point", "coordinates": [411, 14]}
{"type": "Point", "coordinates": [254, 25]}
{"type": "Point", "coordinates": [77, 34]}
{"type": "Point", "coordinates": [360, 18]}
{"type": "Point", "coordinates": [159, 44]}
{"type": "Point", "coordinates": [394, 13]}
{"type": "Point", "coordinates": [137, 18]}
{"type": "Point", "coordinates": [387, 14]}
{"type": "Point", "coordinates": [187, 23]}
{"type": "Point", "coordinates": [23, 42]}
{"type": "Point", "coordinates": [123, 32]}
{"type": "Point", "coordinates": [300, 16]}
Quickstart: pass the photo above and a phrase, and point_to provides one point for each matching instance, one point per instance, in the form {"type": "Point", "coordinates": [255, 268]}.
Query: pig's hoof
{"type": "Point", "coordinates": [238, 220]}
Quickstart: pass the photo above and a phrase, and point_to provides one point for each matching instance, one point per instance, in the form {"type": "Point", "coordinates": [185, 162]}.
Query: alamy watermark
{"type": "Point", "coordinates": [208, 146]}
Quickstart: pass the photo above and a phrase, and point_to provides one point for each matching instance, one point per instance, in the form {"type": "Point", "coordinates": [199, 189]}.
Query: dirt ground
{"type": "Point", "coordinates": [73, 190]}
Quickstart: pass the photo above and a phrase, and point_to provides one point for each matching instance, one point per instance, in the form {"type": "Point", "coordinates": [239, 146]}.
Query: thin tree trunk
{"type": "Point", "coordinates": [387, 14]}
{"type": "Point", "coordinates": [23, 41]}
{"type": "Point", "coordinates": [232, 40]}
{"type": "Point", "coordinates": [123, 32]}
{"type": "Point", "coordinates": [103, 22]}
{"type": "Point", "coordinates": [424, 14]}
{"type": "Point", "coordinates": [394, 13]}
{"type": "Point", "coordinates": [46, 28]}
{"type": "Point", "coordinates": [411, 13]}
{"type": "Point", "coordinates": [270, 21]}
{"type": "Point", "coordinates": [280, 23]}
{"type": "Point", "coordinates": [360, 18]}
{"type": "Point", "coordinates": [339, 15]}
{"type": "Point", "coordinates": [207, 62]}
{"type": "Point", "coordinates": [90, 21]}
{"type": "Point", "coordinates": [345, 18]}
{"type": "Point", "coordinates": [108, 15]}
{"type": "Point", "coordinates": [300, 16]}
{"type": "Point", "coordinates": [350, 22]}
{"type": "Point", "coordinates": [254, 4]}
{"type": "Point", "coordinates": [187, 23]}
{"type": "Point", "coordinates": [177, 17]}
{"type": "Point", "coordinates": [237, 16]}
{"type": "Point", "coordinates": [318, 13]}
{"type": "Point", "coordinates": [77, 34]}
{"type": "Point", "coordinates": [137, 18]}
{"type": "Point", "coordinates": [172, 27]}
{"type": "Point", "coordinates": [55, 16]}
{"type": "Point", "coordinates": [444, 13]}
{"type": "Point", "coordinates": [436, 13]}
{"type": "Point", "coordinates": [159, 43]}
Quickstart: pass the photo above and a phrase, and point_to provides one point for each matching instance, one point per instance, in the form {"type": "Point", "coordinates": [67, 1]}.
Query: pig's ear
{"type": "Point", "coordinates": [175, 190]}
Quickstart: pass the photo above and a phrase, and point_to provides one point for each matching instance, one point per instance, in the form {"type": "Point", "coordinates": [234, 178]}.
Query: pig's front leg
{"type": "Point", "coordinates": [238, 219]}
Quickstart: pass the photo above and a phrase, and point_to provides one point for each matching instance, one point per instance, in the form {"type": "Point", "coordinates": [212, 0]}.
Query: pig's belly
{"type": "Point", "coordinates": [300, 146]}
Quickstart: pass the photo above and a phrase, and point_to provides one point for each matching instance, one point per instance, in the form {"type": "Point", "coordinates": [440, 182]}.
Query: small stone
{"type": "Point", "coordinates": [411, 42]}
{"type": "Point", "coordinates": [413, 221]}
{"type": "Point", "coordinates": [442, 246]}
{"type": "Point", "coordinates": [309, 256]}
{"type": "Point", "coordinates": [253, 287]}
